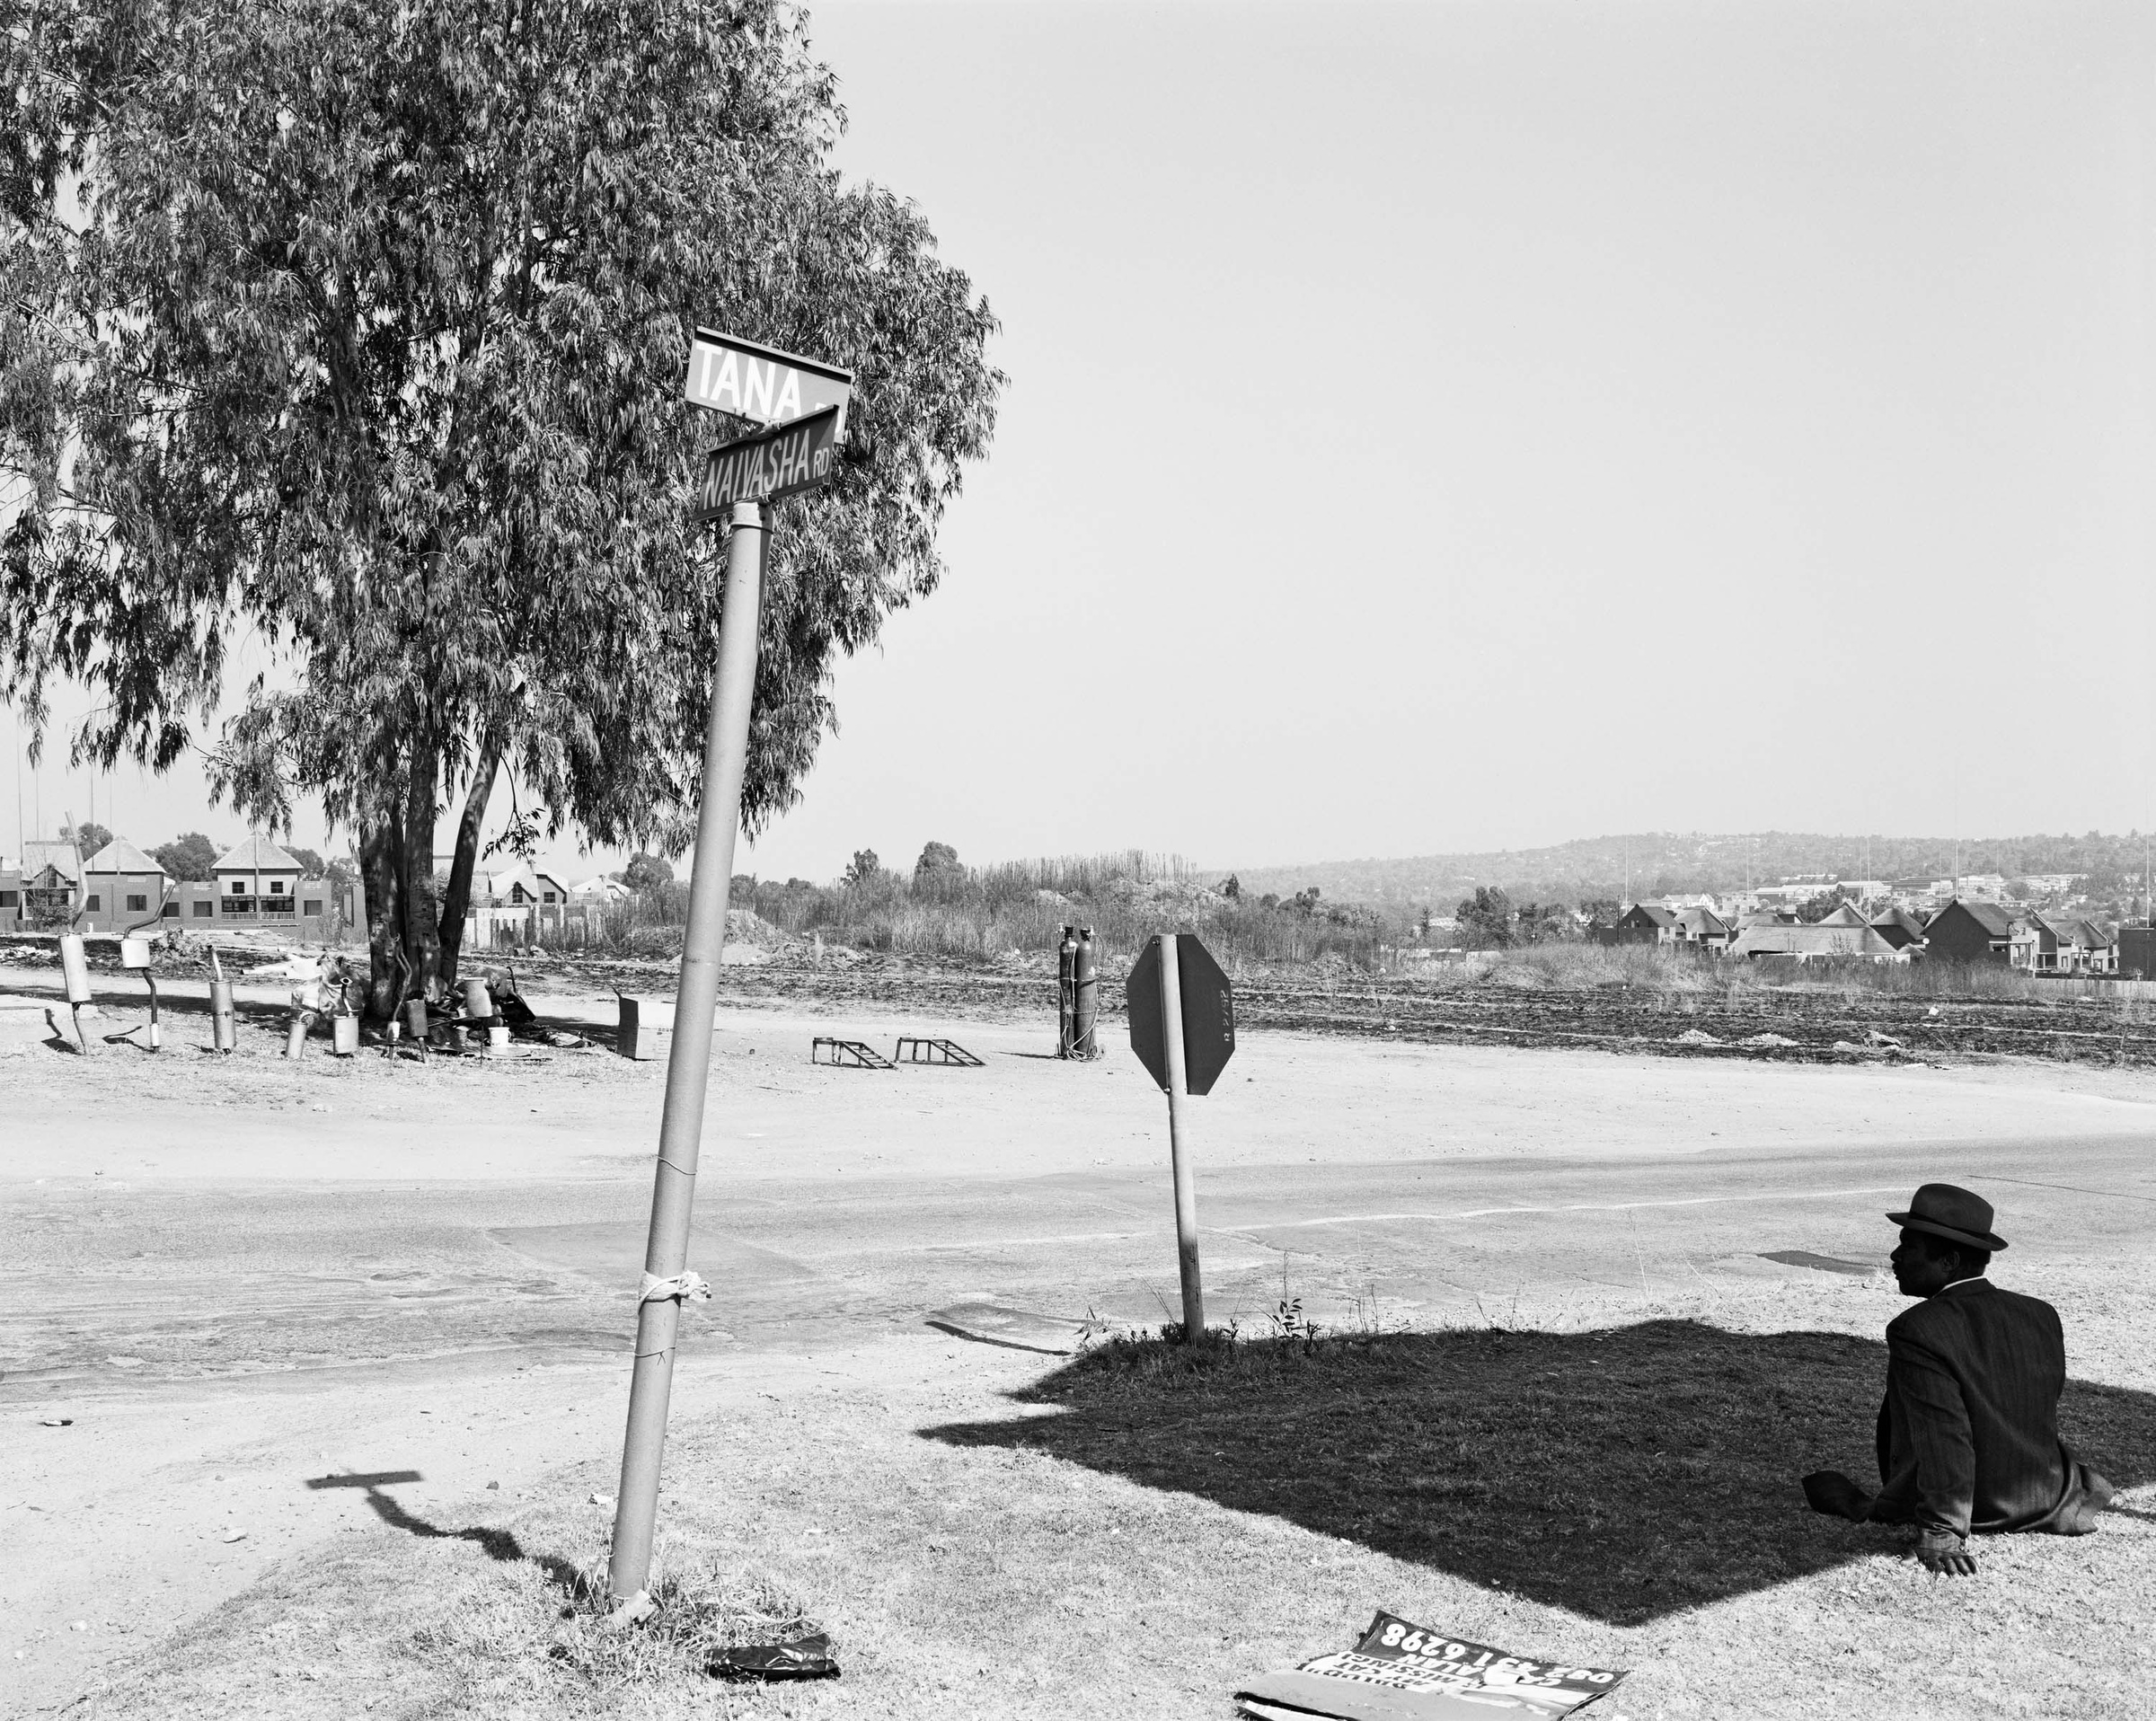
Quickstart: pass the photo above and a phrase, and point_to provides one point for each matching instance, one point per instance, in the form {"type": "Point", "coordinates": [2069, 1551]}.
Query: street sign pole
{"type": "Point", "coordinates": [1186, 1191]}
{"type": "Point", "coordinates": [688, 1067]}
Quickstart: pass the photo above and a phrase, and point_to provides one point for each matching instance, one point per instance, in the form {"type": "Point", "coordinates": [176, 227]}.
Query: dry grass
{"type": "Point", "coordinates": [1137, 1532]}
{"type": "Point", "coordinates": [1569, 966]}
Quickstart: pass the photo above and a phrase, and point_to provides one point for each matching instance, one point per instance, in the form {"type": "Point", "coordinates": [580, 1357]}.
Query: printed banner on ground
{"type": "Point", "coordinates": [1400, 1672]}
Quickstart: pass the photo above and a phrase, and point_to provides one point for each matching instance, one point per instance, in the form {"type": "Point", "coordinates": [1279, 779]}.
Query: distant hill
{"type": "Point", "coordinates": [1662, 862]}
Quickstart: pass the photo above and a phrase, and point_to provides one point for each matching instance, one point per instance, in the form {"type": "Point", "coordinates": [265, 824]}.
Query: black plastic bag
{"type": "Point", "coordinates": [807, 1657]}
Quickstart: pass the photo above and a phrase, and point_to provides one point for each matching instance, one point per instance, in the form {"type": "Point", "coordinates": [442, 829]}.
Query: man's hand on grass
{"type": "Point", "coordinates": [1943, 1552]}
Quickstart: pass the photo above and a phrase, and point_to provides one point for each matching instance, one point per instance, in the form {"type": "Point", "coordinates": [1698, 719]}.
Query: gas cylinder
{"type": "Point", "coordinates": [415, 1021]}
{"type": "Point", "coordinates": [296, 1036]}
{"type": "Point", "coordinates": [478, 1004]}
{"type": "Point", "coordinates": [1066, 989]}
{"type": "Point", "coordinates": [1085, 991]}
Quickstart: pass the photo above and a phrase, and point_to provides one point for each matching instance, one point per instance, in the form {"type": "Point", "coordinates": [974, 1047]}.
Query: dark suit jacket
{"type": "Point", "coordinates": [1968, 1434]}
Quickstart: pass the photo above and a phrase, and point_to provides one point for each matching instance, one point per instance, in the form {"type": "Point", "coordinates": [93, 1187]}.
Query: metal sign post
{"type": "Point", "coordinates": [688, 1066]}
{"type": "Point", "coordinates": [1182, 1026]}
{"type": "Point", "coordinates": [739, 478]}
{"type": "Point", "coordinates": [1179, 1158]}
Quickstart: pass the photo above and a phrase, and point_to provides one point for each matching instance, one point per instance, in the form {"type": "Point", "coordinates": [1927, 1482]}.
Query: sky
{"type": "Point", "coordinates": [1463, 426]}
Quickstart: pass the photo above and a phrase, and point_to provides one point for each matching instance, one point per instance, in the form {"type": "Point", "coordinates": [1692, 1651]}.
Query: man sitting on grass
{"type": "Point", "coordinates": [1968, 1436]}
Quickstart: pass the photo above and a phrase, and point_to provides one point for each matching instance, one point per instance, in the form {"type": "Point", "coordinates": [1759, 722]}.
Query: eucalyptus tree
{"type": "Point", "coordinates": [360, 330]}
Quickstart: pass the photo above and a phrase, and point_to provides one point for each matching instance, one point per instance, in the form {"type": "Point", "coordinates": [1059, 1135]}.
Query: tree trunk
{"type": "Point", "coordinates": [382, 873]}
{"type": "Point", "coordinates": [421, 922]}
{"type": "Point", "coordinates": [457, 898]}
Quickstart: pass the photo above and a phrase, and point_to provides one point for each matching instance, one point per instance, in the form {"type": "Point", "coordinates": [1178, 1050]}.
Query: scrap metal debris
{"type": "Point", "coordinates": [920, 1049]}
{"type": "Point", "coordinates": [855, 1053]}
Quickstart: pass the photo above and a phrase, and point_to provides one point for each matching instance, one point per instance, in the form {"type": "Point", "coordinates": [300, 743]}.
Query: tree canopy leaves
{"type": "Point", "coordinates": [362, 329]}
{"type": "Point", "coordinates": [191, 857]}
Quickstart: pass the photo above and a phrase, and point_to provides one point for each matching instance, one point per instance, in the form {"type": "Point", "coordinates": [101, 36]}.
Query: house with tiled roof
{"type": "Point", "coordinates": [42, 888]}
{"type": "Point", "coordinates": [123, 890]}
{"type": "Point", "coordinates": [1644, 923]}
{"type": "Point", "coordinates": [2063, 944]}
{"type": "Point", "coordinates": [520, 884]}
{"type": "Point", "coordinates": [38, 856]}
{"type": "Point", "coordinates": [1969, 931]}
{"type": "Point", "coordinates": [256, 879]}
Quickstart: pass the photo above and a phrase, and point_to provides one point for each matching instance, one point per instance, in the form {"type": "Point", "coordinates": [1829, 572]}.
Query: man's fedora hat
{"type": "Point", "coordinates": [1955, 1214]}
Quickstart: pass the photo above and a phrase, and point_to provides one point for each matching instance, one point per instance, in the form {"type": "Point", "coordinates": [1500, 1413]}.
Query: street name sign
{"type": "Point", "coordinates": [781, 462]}
{"type": "Point", "coordinates": [1208, 1014]}
{"type": "Point", "coordinates": [730, 375]}
{"type": "Point", "coordinates": [784, 459]}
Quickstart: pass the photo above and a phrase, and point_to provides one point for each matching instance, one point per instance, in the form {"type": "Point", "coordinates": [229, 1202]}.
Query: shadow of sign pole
{"type": "Point", "coordinates": [784, 459]}
{"type": "Point", "coordinates": [1182, 1026]}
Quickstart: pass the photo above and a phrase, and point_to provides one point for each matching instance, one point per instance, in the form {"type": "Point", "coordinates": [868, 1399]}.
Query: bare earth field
{"type": "Point", "coordinates": [1816, 1021]}
{"type": "Point", "coordinates": [296, 1318]}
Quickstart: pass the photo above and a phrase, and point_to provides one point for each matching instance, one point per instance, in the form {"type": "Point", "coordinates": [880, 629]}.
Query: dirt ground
{"type": "Point", "coordinates": [230, 1278]}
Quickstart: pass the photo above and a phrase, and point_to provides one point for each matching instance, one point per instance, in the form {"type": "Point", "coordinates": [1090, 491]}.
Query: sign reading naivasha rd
{"type": "Point", "coordinates": [730, 375]}
{"type": "Point", "coordinates": [783, 460]}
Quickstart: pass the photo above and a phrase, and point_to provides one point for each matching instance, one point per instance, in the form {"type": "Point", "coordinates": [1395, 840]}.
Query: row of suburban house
{"type": "Point", "coordinates": [119, 889]}
{"type": "Point", "coordinates": [1961, 931]}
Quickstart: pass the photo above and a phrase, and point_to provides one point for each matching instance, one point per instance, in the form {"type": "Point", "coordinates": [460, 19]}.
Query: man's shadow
{"type": "Point", "coordinates": [494, 1542]}
{"type": "Point", "coordinates": [1624, 1474]}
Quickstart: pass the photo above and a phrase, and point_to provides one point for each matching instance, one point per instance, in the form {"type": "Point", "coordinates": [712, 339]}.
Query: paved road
{"type": "Point", "coordinates": [198, 1282]}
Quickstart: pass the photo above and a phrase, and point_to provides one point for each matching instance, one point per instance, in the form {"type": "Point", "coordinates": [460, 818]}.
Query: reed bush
{"type": "Point", "coordinates": [985, 912]}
